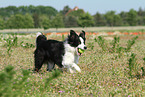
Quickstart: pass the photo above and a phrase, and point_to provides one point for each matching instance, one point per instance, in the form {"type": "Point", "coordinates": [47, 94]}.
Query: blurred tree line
{"type": "Point", "coordinates": [46, 17]}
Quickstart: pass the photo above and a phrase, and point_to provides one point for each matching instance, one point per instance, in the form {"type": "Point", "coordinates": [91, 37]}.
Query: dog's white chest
{"type": "Point", "coordinates": [70, 56]}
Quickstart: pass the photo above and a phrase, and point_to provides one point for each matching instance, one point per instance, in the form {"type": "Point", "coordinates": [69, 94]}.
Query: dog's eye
{"type": "Point", "coordinates": [79, 42]}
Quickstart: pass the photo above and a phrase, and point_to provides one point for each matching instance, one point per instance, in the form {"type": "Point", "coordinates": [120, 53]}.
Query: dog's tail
{"type": "Point", "coordinates": [39, 38]}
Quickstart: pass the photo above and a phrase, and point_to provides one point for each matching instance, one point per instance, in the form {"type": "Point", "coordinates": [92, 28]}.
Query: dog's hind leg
{"type": "Point", "coordinates": [39, 59]}
{"type": "Point", "coordinates": [50, 66]}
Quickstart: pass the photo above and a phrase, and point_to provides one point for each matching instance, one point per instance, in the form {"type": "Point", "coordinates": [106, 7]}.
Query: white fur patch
{"type": "Point", "coordinates": [38, 34]}
{"type": "Point", "coordinates": [70, 59]}
{"type": "Point", "coordinates": [82, 45]}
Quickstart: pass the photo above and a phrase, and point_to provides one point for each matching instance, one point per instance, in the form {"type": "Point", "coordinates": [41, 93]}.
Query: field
{"type": "Point", "coordinates": [109, 68]}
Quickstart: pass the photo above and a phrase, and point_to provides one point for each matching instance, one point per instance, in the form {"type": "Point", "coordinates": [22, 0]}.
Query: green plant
{"type": "Point", "coordinates": [130, 43]}
{"type": "Point", "coordinates": [115, 45]}
{"type": "Point", "coordinates": [142, 68]}
{"type": "Point", "coordinates": [11, 85]}
{"type": "Point", "coordinates": [26, 45]}
{"type": "Point", "coordinates": [133, 67]}
{"type": "Point", "coordinates": [101, 42]}
{"type": "Point", "coordinates": [63, 37]}
{"type": "Point", "coordinates": [91, 45]}
{"type": "Point", "coordinates": [11, 41]}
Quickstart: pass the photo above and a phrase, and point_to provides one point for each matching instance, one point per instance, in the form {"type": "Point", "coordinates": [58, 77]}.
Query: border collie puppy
{"type": "Point", "coordinates": [64, 54]}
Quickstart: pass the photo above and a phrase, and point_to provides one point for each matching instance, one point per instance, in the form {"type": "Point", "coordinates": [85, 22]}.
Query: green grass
{"type": "Point", "coordinates": [102, 75]}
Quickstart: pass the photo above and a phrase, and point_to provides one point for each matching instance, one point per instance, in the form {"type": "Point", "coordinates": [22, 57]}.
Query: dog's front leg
{"type": "Point", "coordinates": [71, 70]}
{"type": "Point", "coordinates": [76, 67]}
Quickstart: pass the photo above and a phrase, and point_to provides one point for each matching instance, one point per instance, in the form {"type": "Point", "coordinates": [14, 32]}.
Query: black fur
{"type": "Point", "coordinates": [73, 39]}
{"type": "Point", "coordinates": [48, 51]}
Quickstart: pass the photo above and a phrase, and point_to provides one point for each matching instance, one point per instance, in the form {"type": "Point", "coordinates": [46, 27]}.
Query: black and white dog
{"type": "Point", "coordinates": [62, 53]}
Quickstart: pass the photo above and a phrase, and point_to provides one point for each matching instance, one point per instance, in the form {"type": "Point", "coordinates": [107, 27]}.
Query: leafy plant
{"type": "Point", "coordinates": [62, 37]}
{"type": "Point", "coordinates": [11, 41]}
{"type": "Point", "coordinates": [115, 45]}
{"type": "Point", "coordinates": [134, 67]}
{"type": "Point", "coordinates": [26, 45]}
{"type": "Point", "coordinates": [91, 45]}
{"type": "Point", "coordinates": [142, 68]}
{"type": "Point", "coordinates": [132, 64]}
{"type": "Point", "coordinates": [130, 43]}
{"type": "Point", "coordinates": [101, 43]}
{"type": "Point", "coordinates": [11, 86]}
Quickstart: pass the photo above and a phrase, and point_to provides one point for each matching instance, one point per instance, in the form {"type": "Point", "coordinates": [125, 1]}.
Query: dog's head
{"type": "Point", "coordinates": [77, 41]}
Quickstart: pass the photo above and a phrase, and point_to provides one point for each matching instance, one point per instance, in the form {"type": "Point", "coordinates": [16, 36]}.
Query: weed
{"type": "Point", "coordinates": [63, 37]}
{"type": "Point", "coordinates": [132, 65]}
{"type": "Point", "coordinates": [91, 45]}
{"type": "Point", "coordinates": [101, 42]}
{"type": "Point", "coordinates": [130, 43]}
{"type": "Point", "coordinates": [11, 41]}
{"type": "Point", "coordinates": [115, 45]}
{"type": "Point", "coordinates": [26, 45]}
{"type": "Point", "coordinates": [11, 86]}
{"type": "Point", "coordinates": [142, 68]}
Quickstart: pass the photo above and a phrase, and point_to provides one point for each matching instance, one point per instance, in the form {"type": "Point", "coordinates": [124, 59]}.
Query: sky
{"type": "Point", "coordinates": [91, 6]}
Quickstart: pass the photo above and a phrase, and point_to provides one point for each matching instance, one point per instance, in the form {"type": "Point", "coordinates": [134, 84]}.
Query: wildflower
{"type": "Point", "coordinates": [60, 91]}
{"type": "Point", "coordinates": [77, 84]}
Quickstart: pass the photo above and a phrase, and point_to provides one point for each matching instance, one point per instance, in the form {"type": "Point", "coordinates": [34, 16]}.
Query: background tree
{"type": "Point", "coordinates": [117, 21]}
{"type": "Point", "coordinates": [141, 15]}
{"type": "Point", "coordinates": [16, 21]}
{"type": "Point", "coordinates": [70, 21]}
{"type": "Point", "coordinates": [1, 23]}
{"type": "Point", "coordinates": [45, 22]}
{"type": "Point", "coordinates": [20, 21]}
{"type": "Point", "coordinates": [99, 19]}
{"type": "Point", "coordinates": [36, 18]}
{"type": "Point", "coordinates": [57, 21]}
{"type": "Point", "coordinates": [85, 20]}
{"type": "Point", "coordinates": [123, 16]}
{"type": "Point", "coordinates": [132, 17]}
{"type": "Point", "coordinates": [29, 23]}
{"type": "Point", "coordinates": [65, 10]}
{"type": "Point", "coordinates": [109, 16]}
{"type": "Point", "coordinates": [46, 16]}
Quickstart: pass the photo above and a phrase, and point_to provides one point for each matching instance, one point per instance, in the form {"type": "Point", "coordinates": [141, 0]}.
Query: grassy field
{"type": "Point", "coordinates": [105, 73]}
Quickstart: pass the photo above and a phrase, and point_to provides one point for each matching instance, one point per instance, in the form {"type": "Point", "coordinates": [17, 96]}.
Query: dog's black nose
{"type": "Point", "coordinates": [85, 47]}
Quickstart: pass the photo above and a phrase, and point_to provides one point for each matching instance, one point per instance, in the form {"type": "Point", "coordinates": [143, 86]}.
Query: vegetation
{"type": "Point", "coordinates": [48, 17]}
{"type": "Point", "coordinates": [103, 73]}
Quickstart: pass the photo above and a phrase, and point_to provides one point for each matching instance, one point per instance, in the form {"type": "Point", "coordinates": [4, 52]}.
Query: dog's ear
{"type": "Point", "coordinates": [82, 34]}
{"type": "Point", "coordinates": [72, 37]}
{"type": "Point", "coordinates": [72, 32]}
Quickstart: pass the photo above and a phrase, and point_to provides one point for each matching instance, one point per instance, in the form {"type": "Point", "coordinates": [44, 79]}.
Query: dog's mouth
{"type": "Point", "coordinates": [80, 51]}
